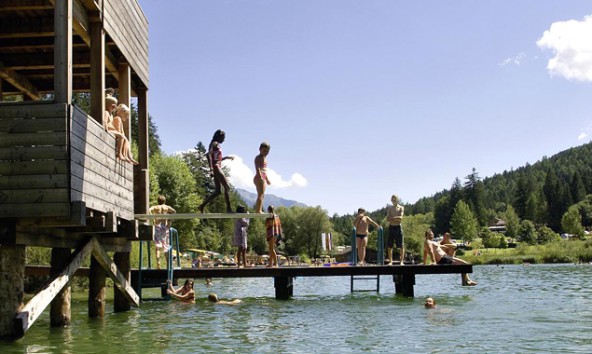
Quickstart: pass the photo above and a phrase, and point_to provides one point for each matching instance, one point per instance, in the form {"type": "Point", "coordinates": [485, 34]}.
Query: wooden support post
{"type": "Point", "coordinates": [119, 280]}
{"type": "Point", "coordinates": [141, 178]}
{"type": "Point", "coordinates": [125, 89]}
{"type": "Point", "coordinates": [404, 284]}
{"type": "Point", "coordinates": [63, 51]}
{"type": "Point", "coordinates": [284, 288]}
{"type": "Point", "coordinates": [122, 260]}
{"type": "Point", "coordinates": [60, 312]}
{"type": "Point", "coordinates": [96, 290]}
{"type": "Point", "coordinates": [33, 309]}
{"type": "Point", "coordinates": [12, 276]}
{"type": "Point", "coordinates": [97, 71]}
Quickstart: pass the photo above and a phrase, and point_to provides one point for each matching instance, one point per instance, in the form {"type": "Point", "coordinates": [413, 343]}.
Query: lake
{"type": "Point", "coordinates": [514, 309]}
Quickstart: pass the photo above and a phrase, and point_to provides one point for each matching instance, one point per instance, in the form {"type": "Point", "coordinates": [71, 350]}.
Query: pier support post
{"type": "Point", "coordinates": [404, 284]}
{"type": "Point", "coordinates": [60, 312]}
{"type": "Point", "coordinates": [122, 261]}
{"type": "Point", "coordinates": [12, 284]}
{"type": "Point", "coordinates": [96, 290]}
{"type": "Point", "coordinates": [284, 288]}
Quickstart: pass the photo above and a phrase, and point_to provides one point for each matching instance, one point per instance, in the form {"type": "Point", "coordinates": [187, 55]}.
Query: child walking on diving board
{"type": "Point", "coordinates": [261, 180]}
{"type": "Point", "coordinates": [215, 160]}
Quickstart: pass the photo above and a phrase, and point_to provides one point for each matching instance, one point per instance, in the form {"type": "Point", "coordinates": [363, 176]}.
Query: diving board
{"type": "Point", "coordinates": [181, 216]}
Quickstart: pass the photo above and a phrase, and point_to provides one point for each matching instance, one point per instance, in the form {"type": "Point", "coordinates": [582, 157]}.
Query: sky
{"type": "Point", "coordinates": [363, 99]}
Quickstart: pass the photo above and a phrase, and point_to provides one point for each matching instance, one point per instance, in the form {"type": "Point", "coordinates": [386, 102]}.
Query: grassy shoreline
{"type": "Point", "coordinates": [557, 252]}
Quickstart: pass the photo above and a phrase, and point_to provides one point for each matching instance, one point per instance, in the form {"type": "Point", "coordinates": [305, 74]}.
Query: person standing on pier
{"type": "Point", "coordinates": [273, 228]}
{"type": "Point", "coordinates": [260, 179]}
{"type": "Point", "coordinates": [161, 229]}
{"type": "Point", "coordinates": [361, 223]}
{"type": "Point", "coordinates": [394, 217]}
{"type": "Point", "coordinates": [240, 237]}
{"type": "Point", "coordinates": [215, 161]}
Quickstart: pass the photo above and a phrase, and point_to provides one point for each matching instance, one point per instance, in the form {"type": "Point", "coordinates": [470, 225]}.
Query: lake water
{"type": "Point", "coordinates": [514, 309]}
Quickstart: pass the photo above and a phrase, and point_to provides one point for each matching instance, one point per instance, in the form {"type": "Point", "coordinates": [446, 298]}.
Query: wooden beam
{"type": "Point", "coordinates": [19, 81]}
{"type": "Point", "coordinates": [25, 5]}
{"type": "Point", "coordinates": [34, 308]}
{"type": "Point", "coordinates": [119, 280]}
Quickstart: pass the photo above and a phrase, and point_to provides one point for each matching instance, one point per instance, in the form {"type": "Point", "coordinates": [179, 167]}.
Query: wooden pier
{"type": "Point", "coordinates": [403, 275]}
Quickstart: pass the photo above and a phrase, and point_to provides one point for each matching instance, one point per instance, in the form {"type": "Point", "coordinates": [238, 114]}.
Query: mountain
{"type": "Point", "coordinates": [270, 199]}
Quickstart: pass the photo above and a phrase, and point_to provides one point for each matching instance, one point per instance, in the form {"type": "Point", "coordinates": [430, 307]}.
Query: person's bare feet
{"type": "Point", "coordinates": [469, 283]}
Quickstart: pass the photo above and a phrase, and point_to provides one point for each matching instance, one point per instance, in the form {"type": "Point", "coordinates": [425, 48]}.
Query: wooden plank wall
{"type": "Point", "coordinates": [34, 160]}
{"type": "Point", "coordinates": [127, 25]}
{"type": "Point", "coordinates": [48, 161]}
{"type": "Point", "coordinates": [98, 178]}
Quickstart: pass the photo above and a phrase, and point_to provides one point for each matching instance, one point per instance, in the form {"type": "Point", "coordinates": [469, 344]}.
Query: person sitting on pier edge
{"type": "Point", "coordinates": [448, 245]}
{"type": "Point", "coordinates": [361, 223]}
{"type": "Point", "coordinates": [439, 256]}
{"type": "Point", "coordinates": [214, 298]}
{"type": "Point", "coordinates": [240, 237]}
{"type": "Point", "coordinates": [184, 293]}
{"type": "Point", "coordinates": [161, 229]}
{"type": "Point", "coordinates": [115, 127]}
{"type": "Point", "coordinates": [394, 217]}
{"type": "Point", "coordinates": [215, 161]}
{"type": "Point", "coordinates": [273, 228]}
{"type": "Point", "coordinates": [110, 105]}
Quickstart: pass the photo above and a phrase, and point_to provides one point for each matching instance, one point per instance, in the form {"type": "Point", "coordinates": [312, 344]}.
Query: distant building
{"type": "Point", "coordinates": [498, 225]}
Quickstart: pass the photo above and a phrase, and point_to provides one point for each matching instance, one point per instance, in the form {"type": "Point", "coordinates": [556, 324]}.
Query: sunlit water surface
{"type": "Point", "coordinates": [514, 309]}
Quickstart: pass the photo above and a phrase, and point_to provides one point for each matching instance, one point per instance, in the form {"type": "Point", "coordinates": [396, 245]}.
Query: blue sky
{"type": "Point", "coordinates": [361, 99]}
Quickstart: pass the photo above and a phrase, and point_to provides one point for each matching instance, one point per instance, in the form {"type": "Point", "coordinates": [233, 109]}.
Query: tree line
{"type": "Point", "coordinates": [537, 202]}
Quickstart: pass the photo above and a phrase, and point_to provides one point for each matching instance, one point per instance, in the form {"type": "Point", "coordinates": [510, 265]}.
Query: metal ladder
{"type": "Point", "coordinates": [379, 261]}
{"type": "Point", "coordinates": [153, 278]}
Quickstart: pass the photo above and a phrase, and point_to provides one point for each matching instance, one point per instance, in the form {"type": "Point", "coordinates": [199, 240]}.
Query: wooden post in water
{"type": "Point", "coordinates": [12, 275]}
{"type": "Point", "coordinates": [284, 288]}
{"type": "Point", "coordinates": [404, 284]}
{"type": "Point", "coordinates": [60, 312]}
{"type": "Point", "coordinates": [122, 261]}
{"type": "Point", "coordinates": [96, 290]}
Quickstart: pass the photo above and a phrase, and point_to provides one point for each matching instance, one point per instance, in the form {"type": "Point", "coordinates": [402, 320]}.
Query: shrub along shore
{"type": "Point", "coordinates": [575, 251]}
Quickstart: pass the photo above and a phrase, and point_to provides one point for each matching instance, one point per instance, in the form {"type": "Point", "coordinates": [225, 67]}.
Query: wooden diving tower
{"type": "Point", "coordinates": [61, 185]}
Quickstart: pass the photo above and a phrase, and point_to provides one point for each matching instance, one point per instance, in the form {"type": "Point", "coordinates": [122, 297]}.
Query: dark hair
{"type": "Point", "coordinates": [270, 209]}
{"type": "Point", "coordinates": [241, 209]}
{"type": "Point", "coordinates": [188, 281]}
{"type": "Point", "coordinates": [264, 144]}
{"type": "Point", "coordinates": [161, 199]}
{"type": "Point", "coordinates": [218, 134]}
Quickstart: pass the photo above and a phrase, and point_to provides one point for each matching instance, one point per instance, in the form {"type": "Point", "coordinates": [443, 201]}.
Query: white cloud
{"type": "Point", "coordinates": [571, 44]}
{"type": "Point", "coordinates": [516, 60]}
{"type": "Point", "coordinates": [241, 176]}
{"type": "Point", "coordinates": [582, 136]}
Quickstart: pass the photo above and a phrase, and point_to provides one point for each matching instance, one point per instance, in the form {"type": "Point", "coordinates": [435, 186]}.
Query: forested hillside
{"type": "Point", "coordinates": [541, 192]}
